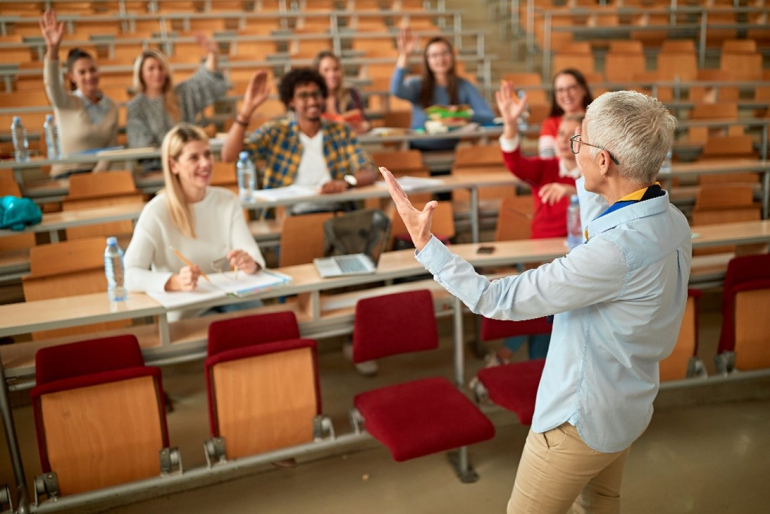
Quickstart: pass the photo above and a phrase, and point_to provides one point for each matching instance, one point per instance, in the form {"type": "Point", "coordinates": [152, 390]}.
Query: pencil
{"type": "Point", "coordinates": [187, 261]}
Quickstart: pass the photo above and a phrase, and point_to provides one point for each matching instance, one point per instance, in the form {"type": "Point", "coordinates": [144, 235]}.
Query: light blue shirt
{"type": "Point", "coordinates": [95, 111]}
{"type": "Point", "coordinates": [618, 302]}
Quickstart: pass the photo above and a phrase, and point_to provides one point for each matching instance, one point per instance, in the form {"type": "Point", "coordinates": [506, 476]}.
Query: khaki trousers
{"type": "Point", "coordinates": [559, 473]}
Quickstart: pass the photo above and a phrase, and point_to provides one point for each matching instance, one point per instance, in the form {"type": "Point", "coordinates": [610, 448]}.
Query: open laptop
{"type": "Point", "coordinates": [353, 264]}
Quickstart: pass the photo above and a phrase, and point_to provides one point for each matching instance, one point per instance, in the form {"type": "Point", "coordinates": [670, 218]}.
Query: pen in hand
{"type": "Point", "coordinates": [187, 261]}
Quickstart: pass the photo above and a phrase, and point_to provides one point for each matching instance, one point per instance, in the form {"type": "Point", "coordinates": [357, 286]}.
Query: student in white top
{"type": "Point", "coordinates": [203, 223]}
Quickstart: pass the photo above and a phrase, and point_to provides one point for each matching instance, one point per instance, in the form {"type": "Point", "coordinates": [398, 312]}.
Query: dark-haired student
{"type": "Point", "coordinates": [85, 117]}
{"type": "Point", "coordinates": [305, 150]}
{"type": "Point", "coordinates": [438, 85]}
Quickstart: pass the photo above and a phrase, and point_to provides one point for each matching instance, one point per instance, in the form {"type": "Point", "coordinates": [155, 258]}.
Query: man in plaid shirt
{"type": "Point", "coordinates": [307, 150]}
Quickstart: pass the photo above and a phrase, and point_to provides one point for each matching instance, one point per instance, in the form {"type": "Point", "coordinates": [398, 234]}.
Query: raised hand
{"type": "Point", "coordinates": [208, 44]}
{"type": "Point", "coordinates": [257, 92]}
{"type": "Point", "coordinates": [407, 41]}
{"type": "Point", "coordinates": [417, 222]}
{"type": "Point", "coordinates": [51, 30]}
{"type": "Point", "coordinates": [510, 107]}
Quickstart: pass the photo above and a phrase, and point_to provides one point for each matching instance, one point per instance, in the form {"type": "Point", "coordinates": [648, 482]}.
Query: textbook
{"type": "Point", "coordinates": [222, 284]}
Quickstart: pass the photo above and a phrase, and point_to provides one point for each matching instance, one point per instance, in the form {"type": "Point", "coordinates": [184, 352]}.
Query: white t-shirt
{"type": "Point", "coordinates": [312, 171]}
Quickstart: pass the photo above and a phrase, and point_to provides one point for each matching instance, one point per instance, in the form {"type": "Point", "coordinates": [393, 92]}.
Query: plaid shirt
{"type": "Point", "coordinates": [277, 142]}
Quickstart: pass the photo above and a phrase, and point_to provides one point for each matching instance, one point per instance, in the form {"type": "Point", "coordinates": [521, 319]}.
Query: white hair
{"type": "Point", "coordinates": [636, 129]}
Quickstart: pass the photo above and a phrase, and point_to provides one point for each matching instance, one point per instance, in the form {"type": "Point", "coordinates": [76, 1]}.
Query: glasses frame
{"type": "Point", "coordinates": [576, 137]}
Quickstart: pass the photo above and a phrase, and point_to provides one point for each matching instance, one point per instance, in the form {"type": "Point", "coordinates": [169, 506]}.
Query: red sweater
{"type": "Point", "coordinates": [548, 220]}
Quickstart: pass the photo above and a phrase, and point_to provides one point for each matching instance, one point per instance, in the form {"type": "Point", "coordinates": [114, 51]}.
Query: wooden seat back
{"type": "Point", "coordinates": [514, 221]}
{"type": "Point", "coordinates": [265, 402]}
{"type": "Point", "coordinates": [86, 430]}
{"type": "Point", "coordinates": [9, 187]}
{"type": "Point", "coordinates": [302, 238]}
{"type": "Point", "coordinates": [674, 367]}
{"type": "Point", "coordinates": [67, 269]}
{"type": "Point", "coordinates": [752, 324]}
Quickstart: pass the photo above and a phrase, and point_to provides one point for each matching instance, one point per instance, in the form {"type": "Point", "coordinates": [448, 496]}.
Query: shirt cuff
{"type": "Point", "coordinates": [433, 256]}
{"type": "Point", "coordinates": [509, 145]}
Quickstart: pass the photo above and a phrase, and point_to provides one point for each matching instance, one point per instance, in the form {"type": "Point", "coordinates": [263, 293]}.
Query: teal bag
{"type": "Point", "coordinates": [16, 213]}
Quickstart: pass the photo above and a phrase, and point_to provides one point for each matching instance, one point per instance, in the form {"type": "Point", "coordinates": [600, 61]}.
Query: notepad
{"type": "Point", "coordinates": [222, 284]}
{"type": "Point", "coordinates": [283, 193]}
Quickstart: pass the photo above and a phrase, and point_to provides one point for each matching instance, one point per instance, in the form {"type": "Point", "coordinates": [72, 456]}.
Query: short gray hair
{"type": "Point", "coordinates": [636, 129]}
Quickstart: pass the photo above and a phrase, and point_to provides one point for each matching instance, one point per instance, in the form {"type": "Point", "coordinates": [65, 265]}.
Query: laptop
{"type": "Point", "coordinates": [356, 263]}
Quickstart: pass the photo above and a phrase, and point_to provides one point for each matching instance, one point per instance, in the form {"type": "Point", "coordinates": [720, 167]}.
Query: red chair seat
{"type": "Point", "coordinates": [422, 417]}
{"type": "Point", "coordinates": [514, 386]}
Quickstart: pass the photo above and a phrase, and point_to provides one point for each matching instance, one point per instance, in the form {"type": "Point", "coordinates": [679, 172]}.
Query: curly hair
{"type": "Point", "coordinates": [300, 77]}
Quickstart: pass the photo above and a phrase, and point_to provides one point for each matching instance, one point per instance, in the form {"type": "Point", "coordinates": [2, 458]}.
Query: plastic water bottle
{"type": "Point", "coordinates": [574, 226]}
{"type": "Point", "coordinates": [246, 177]}
{"type": "Point", "coordinates": [20, 141]}
{"type": "Point", "coordinates": [115, 271]}
{"type": "Point", "coordinates": [666, 166]}
{"type": "Point", "coordinates": [51, 138]}
{"type": "Point", "coordinates": [522, 121]}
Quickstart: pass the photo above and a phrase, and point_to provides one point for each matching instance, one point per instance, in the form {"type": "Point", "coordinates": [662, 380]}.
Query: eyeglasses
{"type": "Point", "coordinates": [575, 142]}
{"type": "Point", "coordinates": [304, 95]}
{"type": "Point", "coordinates": [568, 89]}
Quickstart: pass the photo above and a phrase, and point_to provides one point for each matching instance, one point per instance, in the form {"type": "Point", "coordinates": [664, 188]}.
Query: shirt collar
{"type": "Point", "coordinates": [88, 102]}
{"type": "Point", "coordinates": [573, 173]}
{"type": "Point", "coordinates": [640, 209]}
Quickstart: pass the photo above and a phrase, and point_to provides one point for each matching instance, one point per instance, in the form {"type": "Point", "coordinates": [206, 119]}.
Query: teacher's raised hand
{"type": "Point", "coordinates": [417, 222]}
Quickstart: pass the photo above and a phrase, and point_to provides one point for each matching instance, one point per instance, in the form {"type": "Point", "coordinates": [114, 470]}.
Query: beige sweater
{"type": "Point", "coordinates": [76, 132]}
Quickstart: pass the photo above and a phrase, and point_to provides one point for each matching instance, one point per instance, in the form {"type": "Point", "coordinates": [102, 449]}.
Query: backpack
{"type": "Point", "coordinates": [16, 213]}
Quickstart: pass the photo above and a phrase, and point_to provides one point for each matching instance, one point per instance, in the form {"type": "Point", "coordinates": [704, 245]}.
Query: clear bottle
{"type": "Point", "coordinates": [574, 226]}
{"type": "Point", "coordinates": [20, 141]}
{"type": "Point", "coordinates": [52, 138]}
{"type": "Point", "coordinates": [246, 177]}
{"type": "Point", "coordinates": [666, 166]}
{"type": "Point", "coordinates": [523, 119]}
{"type": "Point", "coordinates": [115, 271]}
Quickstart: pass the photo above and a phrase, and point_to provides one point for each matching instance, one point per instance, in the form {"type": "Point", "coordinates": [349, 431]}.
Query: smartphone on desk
{"type": "Point", "coordinates": [485, 250]}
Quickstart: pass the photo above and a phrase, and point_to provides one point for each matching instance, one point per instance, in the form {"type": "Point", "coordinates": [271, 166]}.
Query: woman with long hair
{"type": "Point", "coordinates": [570, 95]}
{"type": "Point", "coordinates": [159, 104]}
{"type": "Point", "coordinates": [438, 85]}
{"type": "Point", "coordinates": [203, 223]}
{"type": "Point", "coordinates": [90, 118]}
{"type": "Point", "coordinates": [343, 101]}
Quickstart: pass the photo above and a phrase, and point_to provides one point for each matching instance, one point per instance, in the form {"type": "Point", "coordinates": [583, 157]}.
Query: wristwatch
{"type": "Point", "coordinates": [351, 180]}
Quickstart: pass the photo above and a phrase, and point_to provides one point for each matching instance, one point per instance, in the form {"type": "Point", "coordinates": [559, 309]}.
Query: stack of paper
{"type": "Point", "coordinates": [284, 193]}
{"type": "Point", "coordinates": [222, 284]}
{"type": "Point", "coordinates": [408, 183]}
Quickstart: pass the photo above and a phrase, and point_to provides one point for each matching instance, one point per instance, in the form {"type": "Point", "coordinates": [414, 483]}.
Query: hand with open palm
{"type": "Point", "coordinates": [52, 32]}
{"type": "Point", "coordinates": [417, 221]}
{"type": "Point", "coordinates": [257, 91]}
{"type": "Point", "coordinates": [510, 107]}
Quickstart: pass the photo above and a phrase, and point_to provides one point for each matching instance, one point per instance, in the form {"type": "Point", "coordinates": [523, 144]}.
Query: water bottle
{"type": "Point", "coordinates": [666, 166]}
{"type": "Point", "coordinates": [115, 271]}
{"type": "Point", "coordinates": [522, 121]}
{"type": "Point", "coordinates": [574, 227]}
{"type": "Point", "coordinates": [20, 142]}
{"type": "Point", "coordinates": [246, 177]}
{"type": "Point", "coordinates": [51, 138]}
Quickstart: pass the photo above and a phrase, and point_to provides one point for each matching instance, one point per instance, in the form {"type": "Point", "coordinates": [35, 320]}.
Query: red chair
{"type": "Point", "coordinates": [100, 416]}
{"type": "Point", "coordinates": [412, 419]}
{"type": "Point", "coordinates": [743, 342]}
{"type": "Point", "coordinates": [263, 387]}
{"type": "Point", "coordinates": [512, 386]}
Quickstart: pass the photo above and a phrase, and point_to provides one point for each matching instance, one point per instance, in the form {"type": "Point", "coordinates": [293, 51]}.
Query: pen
{"type": "Point", "coordinates": [187, 261]}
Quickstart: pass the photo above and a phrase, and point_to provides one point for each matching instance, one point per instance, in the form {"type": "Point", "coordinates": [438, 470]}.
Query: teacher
{"type": "Point", "coordinates": [618, 302]}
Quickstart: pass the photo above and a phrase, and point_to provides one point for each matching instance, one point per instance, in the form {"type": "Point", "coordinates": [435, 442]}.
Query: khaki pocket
{"type": "Point", "coordinates": [554, 437]}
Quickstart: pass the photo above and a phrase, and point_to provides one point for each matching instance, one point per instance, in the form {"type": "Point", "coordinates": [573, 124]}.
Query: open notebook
{"type": "Point", "coordinates": [222, 284]}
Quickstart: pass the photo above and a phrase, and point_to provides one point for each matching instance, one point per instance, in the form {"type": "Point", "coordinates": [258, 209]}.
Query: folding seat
{"type": "Point", "coordinates": [512, 386]}
{"type": "Point", "coordinates": [99, 415]}
{"type": "Point", "coordinates": [416, 418]}
{"type": "Point", "coordinates": [743, 342]}
{"type": "Point", "coordinates": [683, 361]}
{"type": "Point", "coordinates": [263, 387]}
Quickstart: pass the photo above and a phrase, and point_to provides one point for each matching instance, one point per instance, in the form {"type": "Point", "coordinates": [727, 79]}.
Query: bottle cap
{"type": "Point", "coordinates": [16, 119]}
{"type": "Point", "coordinates": [574, 199]}
{"type": "Point", "coordinates": [243, 156]}
{"type": "Point", "coordinates": [49, 117]}
{"type": "Point", "coordinates": [112, 241]}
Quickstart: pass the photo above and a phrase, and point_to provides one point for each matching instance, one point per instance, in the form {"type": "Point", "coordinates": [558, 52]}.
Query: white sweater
{"type": "Point", "coordinates": [219, 227]}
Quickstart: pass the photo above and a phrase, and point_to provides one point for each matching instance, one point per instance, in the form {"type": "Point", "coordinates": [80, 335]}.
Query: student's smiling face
{"type": "Point", "coordinates": [307, 102]}
{"type": "Point", "coordinates": [193, 167]}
